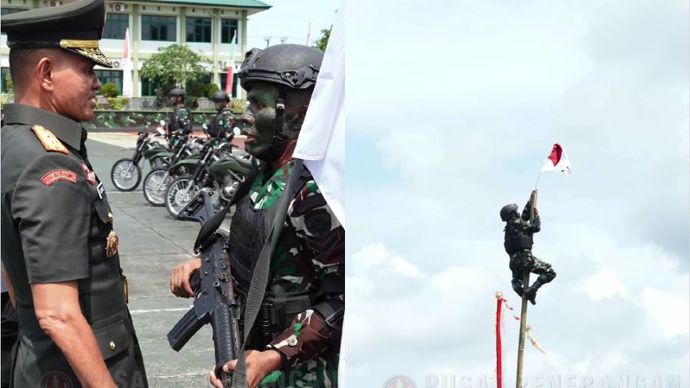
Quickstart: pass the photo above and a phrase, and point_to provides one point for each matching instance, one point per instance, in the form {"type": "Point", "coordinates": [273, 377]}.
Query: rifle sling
{"type": "Point", "coordinates": [209, 227]}
{"type": "Point", "coordinates": [257, 286]}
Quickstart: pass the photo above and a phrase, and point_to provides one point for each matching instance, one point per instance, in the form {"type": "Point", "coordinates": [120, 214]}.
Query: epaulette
{"type": "Point", "coordinates": [49, 140]}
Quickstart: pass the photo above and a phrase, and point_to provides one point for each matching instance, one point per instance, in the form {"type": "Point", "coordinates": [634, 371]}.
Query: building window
{"type": "Point", "coordinates": [5, 77]}
{"type": "Point", "coordinates": [235, 83]}
{"type": "Point", "coordinates": [148, 87]}
{"type": "Point", "coordinates": [115, 26]}
{"type": "Point", "coordinates": [158, 28]}
{"type": "Point", "coordinates": [199, 30]}
{"type": "Point", "coordinates": [8, 10]}
{"type": "Point", "coordinates": [110, 76]}
{"type": "Point", "coordinates": [228, 30]}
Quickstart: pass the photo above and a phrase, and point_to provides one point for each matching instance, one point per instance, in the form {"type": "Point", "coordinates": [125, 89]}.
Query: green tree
{"type": "Point", "coordinates": [322, 42]}
{"type": "Point", "coordinates": [109, 90]}
{"type": "Point", "coordinates": [174, 66]}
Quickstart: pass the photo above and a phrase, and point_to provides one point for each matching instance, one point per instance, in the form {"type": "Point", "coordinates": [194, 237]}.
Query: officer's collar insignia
{"type": "Point", "coordinates": [58, 175]}
{"type": "Point", "coordinates": [90, 175]}
{"type": "Point", "coordinates": [111, 243]}
{"type": "Point", "coordinates": [49, 141]}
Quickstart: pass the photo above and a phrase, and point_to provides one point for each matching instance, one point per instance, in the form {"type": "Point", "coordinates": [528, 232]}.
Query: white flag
{"type": "Point", "coordinates": [321, 142]}
{"type": "Point", "coordinates": [557, 161]}
{"type": "Point", "coordinates": [126, 68]}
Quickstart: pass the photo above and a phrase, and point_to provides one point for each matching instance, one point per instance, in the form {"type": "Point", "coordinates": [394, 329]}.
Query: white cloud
{"type": "Point", "coordinates": [466, 132]}
{"type": "Point", "coordinates": [668, 312]}
{"type": "Point", "coordinates": [604, 284]}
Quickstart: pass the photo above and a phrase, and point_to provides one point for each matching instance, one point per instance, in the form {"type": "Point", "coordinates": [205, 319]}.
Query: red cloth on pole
{"type": "Point", "coordinates": [228, 81]}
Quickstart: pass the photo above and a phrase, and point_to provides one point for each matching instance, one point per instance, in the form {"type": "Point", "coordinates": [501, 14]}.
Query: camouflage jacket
{"type": "Point", "coordinates": [180, 119]}
{"type": "Point", "coordinates": [222, 123]}
{"type": "Point", "coordinates": [309, 347]}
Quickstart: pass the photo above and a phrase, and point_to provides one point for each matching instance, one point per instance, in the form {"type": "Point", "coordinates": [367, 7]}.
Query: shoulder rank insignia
{"type": "Point", "coordinates": [49, 140]}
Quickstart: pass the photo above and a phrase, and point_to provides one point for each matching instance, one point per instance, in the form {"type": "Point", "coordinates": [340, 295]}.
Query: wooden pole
{"type": "Point", "coordinates": [523, 309]}
{"type": "Point", "coordinates": [521, 340]}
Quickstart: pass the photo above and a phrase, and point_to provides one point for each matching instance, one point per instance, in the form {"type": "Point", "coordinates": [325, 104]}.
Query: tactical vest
{"type": "Point", "coordinates": [248, 233]}
{"type": "Point", "coordinates": [174, 121]}
{"type": "Point", "coordinates": [516, 238]}
{"type": "Point", "coordinates": [217, 129]}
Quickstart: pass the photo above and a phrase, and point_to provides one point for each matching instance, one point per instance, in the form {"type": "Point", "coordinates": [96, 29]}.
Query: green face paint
{"type": "Point", "coordinates": [262, 101]}
{"type": "Point", "coordinates": [260, 123]}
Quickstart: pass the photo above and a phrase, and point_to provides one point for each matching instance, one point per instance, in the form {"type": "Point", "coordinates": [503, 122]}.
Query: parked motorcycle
{"type": "Point", "coordinates": [218, 169]}
{"type": "Point", "coordinates": [126, 173]}
{"type": "Point", "coordinates": [157, 180]}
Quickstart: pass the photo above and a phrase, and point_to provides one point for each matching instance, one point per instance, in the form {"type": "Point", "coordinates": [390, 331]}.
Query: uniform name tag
{"type": "Point", "coordinates": [101, 190]}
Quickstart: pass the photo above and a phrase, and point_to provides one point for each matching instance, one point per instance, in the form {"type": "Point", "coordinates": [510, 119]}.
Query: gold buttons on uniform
{"type": "Point", "coordinates": [110, 217]}
{"type": "Point", "coordinates": [112, 346]}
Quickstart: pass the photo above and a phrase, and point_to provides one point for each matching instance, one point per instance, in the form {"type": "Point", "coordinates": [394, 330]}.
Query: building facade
{"type": "Point", "coordinates": [206, 26]}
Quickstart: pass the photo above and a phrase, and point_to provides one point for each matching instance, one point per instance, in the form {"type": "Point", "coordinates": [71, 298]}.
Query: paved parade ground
{"type": "Point", "coordinates": [151, 244]}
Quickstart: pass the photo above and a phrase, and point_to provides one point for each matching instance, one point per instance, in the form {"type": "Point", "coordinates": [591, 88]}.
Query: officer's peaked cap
{"type": "Point", "coordinates": [76, 27]}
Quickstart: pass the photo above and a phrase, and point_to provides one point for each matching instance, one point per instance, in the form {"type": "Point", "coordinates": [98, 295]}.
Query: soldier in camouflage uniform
{"type": "Point", "coordinates": [180, 119]}
{"type": "Point", "coordinates": [518, 243]}
{"type": "Point", "coordinates": [224, 120]}
{"type": "Point", "coordinates": [299, 326]}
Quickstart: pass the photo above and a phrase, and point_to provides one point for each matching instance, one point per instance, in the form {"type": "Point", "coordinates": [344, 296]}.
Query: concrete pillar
{"type": "Point", "coordinates": [215, 43]}
{"type": "Point", "coordinates": [182, 39]}
{"type": "Point", "coordinates": [135, 36]}
{"type": "Point", "coordinates": [240, 92]}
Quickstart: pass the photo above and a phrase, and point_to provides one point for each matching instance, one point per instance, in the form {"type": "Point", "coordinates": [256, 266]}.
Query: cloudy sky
{"type": "Point", "coordinates": [289, 20]}
{"type": "Point", "coordinates": [451, 112]}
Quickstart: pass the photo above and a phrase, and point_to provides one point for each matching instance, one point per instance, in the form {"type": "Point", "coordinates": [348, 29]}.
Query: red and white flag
{"type": "Point", "coordinates": [558, 161]}
{"type": "Point", "coordinates": [126, 68]}
{"type": "Point", "coordinates": [229, 77]}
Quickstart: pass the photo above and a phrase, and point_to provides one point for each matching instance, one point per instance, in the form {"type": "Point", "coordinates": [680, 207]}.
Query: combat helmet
{"type": "Point", "coordinates": [175, 92]}
{"type": "Point", "coordinates": [507, 210]}
{"type": "Point", "coordinates": [291, 65]}
{"type": "Point", "coordinates": [220, 96]}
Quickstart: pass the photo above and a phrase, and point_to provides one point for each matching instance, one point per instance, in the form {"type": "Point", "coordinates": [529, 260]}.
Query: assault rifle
{"type": "Point", "coordinates": [215, 300]}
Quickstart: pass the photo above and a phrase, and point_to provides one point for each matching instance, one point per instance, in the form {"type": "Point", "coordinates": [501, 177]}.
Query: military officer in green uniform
{"type": "Point", "coordinates": [58, 243]}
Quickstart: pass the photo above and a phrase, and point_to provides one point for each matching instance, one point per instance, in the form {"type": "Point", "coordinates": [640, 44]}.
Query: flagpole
{"type": "Point", "coordinates": [523, 309]}
{"type": "Point", "coordinates": [537, 182]}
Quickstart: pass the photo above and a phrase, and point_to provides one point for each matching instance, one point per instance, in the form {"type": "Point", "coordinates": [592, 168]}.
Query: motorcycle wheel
{"type": "Point", "coordinates": [179, 194]}
{"type": "Point", "coordinates": [155, 185]}
{"type": "Point", "coordinates": [125, 175]}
